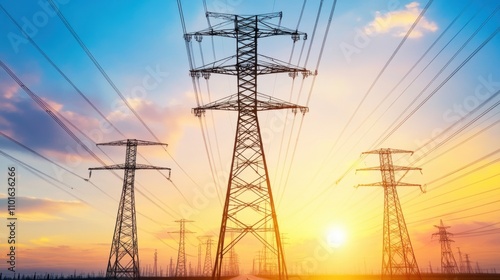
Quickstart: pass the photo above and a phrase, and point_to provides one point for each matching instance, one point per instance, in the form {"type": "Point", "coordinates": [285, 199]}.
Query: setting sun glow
{"type": "Point", "coordinates": [336, 237]}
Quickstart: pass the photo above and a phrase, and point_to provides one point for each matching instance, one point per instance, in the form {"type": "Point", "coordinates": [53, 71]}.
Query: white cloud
{"type": "Point", "coordinates": [398, 22]}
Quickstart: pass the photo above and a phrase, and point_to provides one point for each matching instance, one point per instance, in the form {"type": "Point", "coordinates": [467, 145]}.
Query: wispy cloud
{"type": "Point", "coordinates": [41, 209]}
{"type": "Point", "coordinates": [24, 121]}
{"type": "Point", "coordinates": [398, 22]}
{"type": "Point", "coordinates": [8, 90]}
{"type": "Point", "coordinates": [167, 121]}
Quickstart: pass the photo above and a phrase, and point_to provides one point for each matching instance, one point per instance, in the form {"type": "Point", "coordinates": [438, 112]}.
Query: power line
{"type": "Point", "coordinates": [77, 90]}
{"type": "Point", "coordinates": [409, 115]}
{"type": "Point", "coordinates": [468, 165]}
{"type": "Point", "coordinates": [455, 133]}
{"type": "Point", "coordinates": [310, 90]}
{"type": "Point", "coordinates": [352, 166]}
{"type": "Point", "coordinates": [197, 91]}
{"type": "Point", "coordinates": [115, 88]}
{"type": "Point", "coordinates": [463, 141]}
{"type": "Point", "coordinates": [96, 63]}
{"type": "Point", "coordinates": [382, 100]}
{"type": "Point", "coordinates": [59, 70]}
{"type": "Point", "coordinates": [410, 30]}
{"type": "Point", "coordinates": [51, 161]}
{"type": "Point", "coordinates": [50, 111]}
{"type": "Point", "coordinates": [38, 172]}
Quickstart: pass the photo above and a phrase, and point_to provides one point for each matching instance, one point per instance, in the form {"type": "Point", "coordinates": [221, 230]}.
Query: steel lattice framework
{"type": "Point", "coordinates": [397, 254]}
{"type": "Point", "coordinates": [448, 263]}
{"type": "Point", "coordinates": [181, 268]}
{"type": "Point", "coordinates": [208, 268]}
{"type": "Point", "coordinates": [123, 260]}
{"type": "Point", "coordinates": [249, 208]}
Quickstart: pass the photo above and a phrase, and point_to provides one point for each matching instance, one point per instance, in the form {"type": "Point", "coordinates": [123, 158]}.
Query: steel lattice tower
{"type": "Point", "coordinates": [207, 268]}
{"type": "Point", "coordinates": [448, 263]}
{"type": "Point", "coordinates": [249, 189]}
{"type": "Point", "coordinates": [468, 267]}
{"type": "Point", "coordinates": [181, 269]}
{"type": "Point", "coordinates": [233, 263]}
{"type": "Point", "coordinates": [460, 261]}
{"type": "Point", "coordinates": [199, 272]}
{"type": "Point", "coordinates": [155, 266]}
{"type": "Point", "coordinates": [397, 255]}
{"type": "Point", "coordinates": [124, 256]}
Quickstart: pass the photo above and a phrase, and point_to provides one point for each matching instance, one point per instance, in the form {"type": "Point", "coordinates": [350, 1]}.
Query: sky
{"type": "Point", "coordinates": [433, 91]}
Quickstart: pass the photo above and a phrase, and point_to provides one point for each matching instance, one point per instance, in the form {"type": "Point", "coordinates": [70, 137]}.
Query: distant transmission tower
{"type": "Point", "coordinates": [124, 255]}
{"type": "Point", "coordinates": [448, 263]}
{"type": "Point", "coordinates": [171, 268]}
{"type": "Point", "coordinates": [181, 268]}
{"type": "Point", "coordinates": [468, 266]}
{"type": "Point", "coordinates": [397, 255]}
{"type": "Point", "coordinates": [207, 268]}
{"type": "Point", "coordinates": [460, 261]}
{"type": "Point", "coordinates": [155, 265]}
{"type": "Point", "coordinates": [233, 263]}
{"type": "Point", "coordinates": [199, 272]}
{"type": "Point", "coordinates": [249, 188]}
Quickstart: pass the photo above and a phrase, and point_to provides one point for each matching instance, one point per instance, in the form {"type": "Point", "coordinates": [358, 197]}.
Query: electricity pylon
{"type": "Point", "coordinates": [155, 265]}
{"type": "Point", "coordinates": [124, 255]}
{"type": "Point", "coordinates": [397, 254]}
{"type": "Point", "coordinates": [460, 261]}
{"type": "Point", "coordinates": [207, 268]}
{"type": "Point", "coordinates": [249, 188]}
{"type": "Point", "coordinates": [233, 263]}
{"type": "Point", "coordinates": [199, 272]}
{"type": "Point", "coordinates": [468, 267]}
{"type": "Point", "coordinates": [448, 263]}
{"type": "Point", "coordinates": [181, 268]}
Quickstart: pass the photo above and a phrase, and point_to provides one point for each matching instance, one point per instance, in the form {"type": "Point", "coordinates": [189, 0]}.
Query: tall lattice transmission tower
{"type": "Point", "coordinates": [249, 188]}
{"type": "Point", "coordinates": [199, 271]}
{"type": "Point", "coordinates": [123, 260]}
{"type": "Point", "coordinates": [207, 268]}
{"type": "Point", "coordinates": [181, 268]}
{"type": "Point", "coordinates": [397, 254]}
{"type": "Point", "coordinates": [448, 263]}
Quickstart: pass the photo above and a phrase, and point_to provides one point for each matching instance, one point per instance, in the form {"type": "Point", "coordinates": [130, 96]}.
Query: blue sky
{"type": "Point", "coordinates": [140, 46]}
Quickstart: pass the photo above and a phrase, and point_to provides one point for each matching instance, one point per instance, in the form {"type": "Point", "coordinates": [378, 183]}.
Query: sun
{"type": "Point", "coordinates": [336, 237]}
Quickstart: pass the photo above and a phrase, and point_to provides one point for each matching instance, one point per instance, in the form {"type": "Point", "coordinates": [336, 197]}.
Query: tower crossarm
{"type": "Point", "coordinates": [381, 184]}
{"type": "Point", "coordinates": [228, 27]}
{"type": "Point", "coordinates": [394, 167]}
{"type": "Point", "coordinates": [123, 166]}
{"type": "Point", "coordinates": [263, 103]}
{"type": "Point", "coordinates": [388, 150]}
{"type": "Point", "coordinates": [133, 142]}
{"type": "Point", "coordinates": [233, 16]}
{"type": "Point", "coordinates": [265, 65]}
